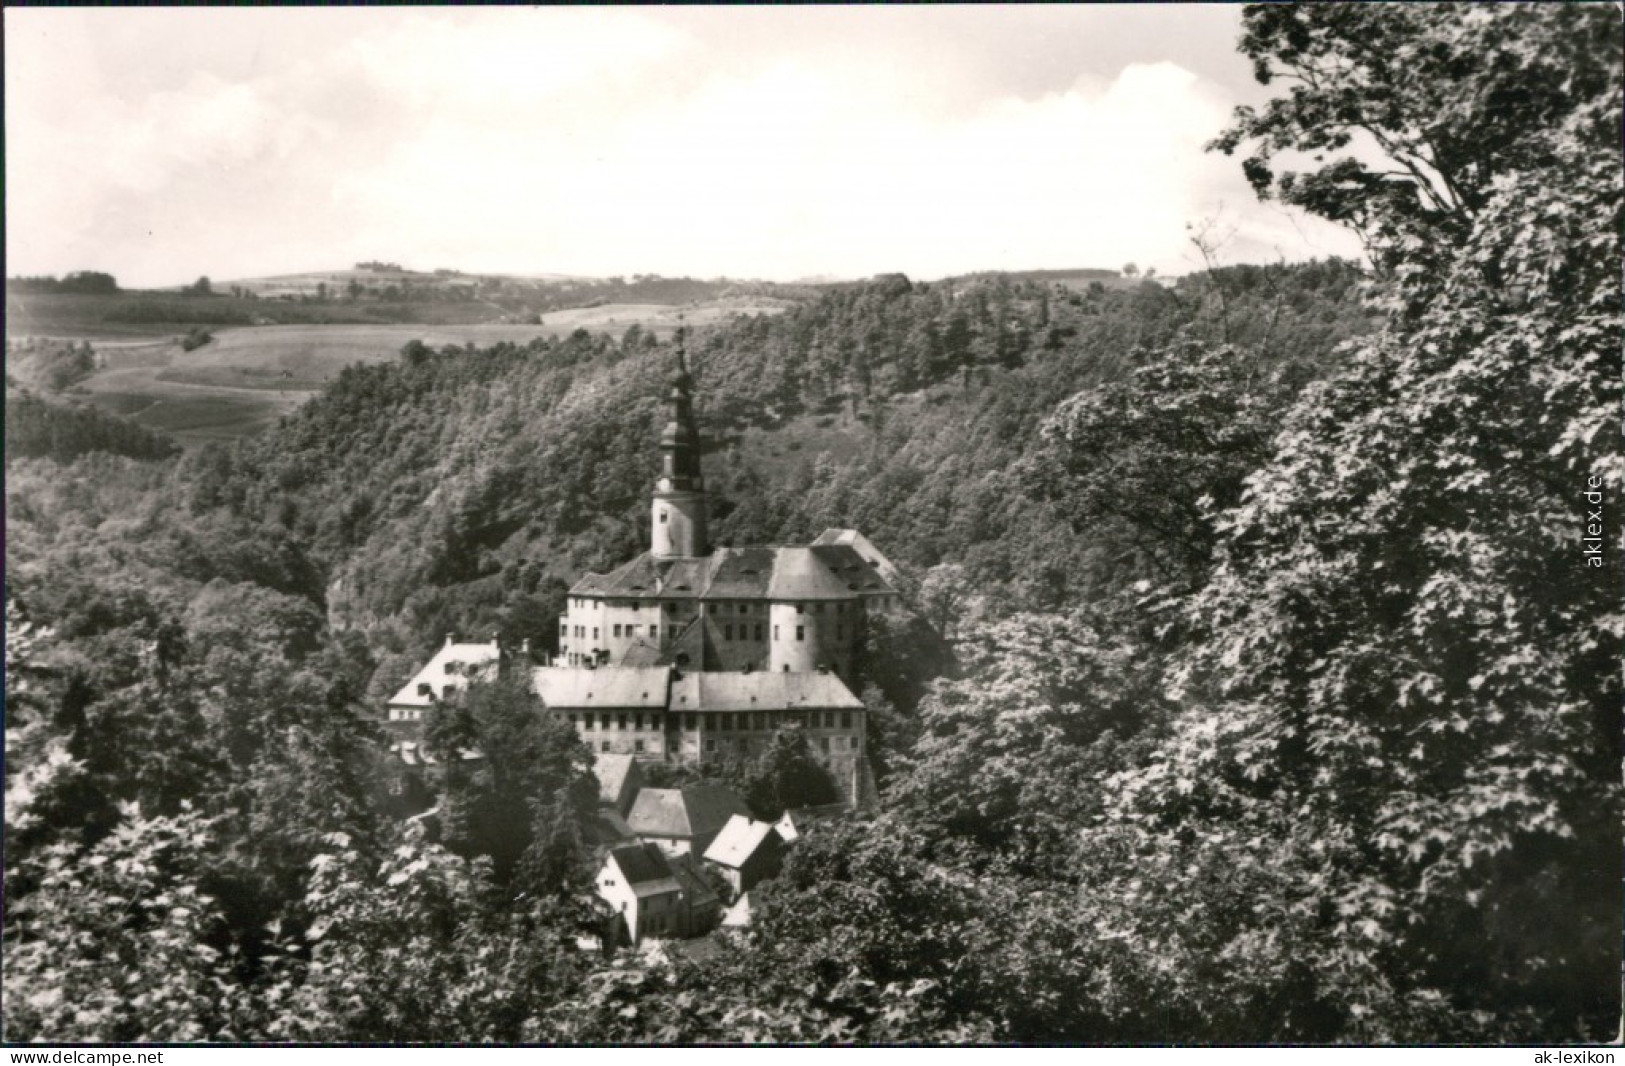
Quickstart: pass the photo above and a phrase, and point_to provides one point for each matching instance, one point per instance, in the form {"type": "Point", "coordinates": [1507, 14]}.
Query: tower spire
{"type": "Point", "coordinates": [677, 526]}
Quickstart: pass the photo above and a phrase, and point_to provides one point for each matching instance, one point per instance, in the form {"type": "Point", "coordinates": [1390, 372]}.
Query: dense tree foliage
{"type": "Point", "coordinates": [1259, 683]}
{"type": "Point", "coordinates": [37, 427]}
{"type": "Point", "coordinates": [51, 365]}
{"type": "Point", "coordinates": [83, 281]}
{"type": "Point", "coordinates": [515, 804]}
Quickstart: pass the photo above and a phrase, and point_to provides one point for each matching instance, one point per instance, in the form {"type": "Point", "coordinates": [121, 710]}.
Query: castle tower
{"type": "Point", "coordinates": [677, 524]}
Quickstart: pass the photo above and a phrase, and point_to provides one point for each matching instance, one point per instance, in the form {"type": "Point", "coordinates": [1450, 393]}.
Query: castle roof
{"type": "Point", "coordinates": [760, 691]}
{"type": "Point", "coordinates": [575, 688]}
{"type": "Point", "coordinates": [742, 573]}
{"type": "Point", "coordinates": [837, 571]}
{"type": "Point", "coordinates": [870, 554]}
{"type": "Point", "coordinates": [612, 686]}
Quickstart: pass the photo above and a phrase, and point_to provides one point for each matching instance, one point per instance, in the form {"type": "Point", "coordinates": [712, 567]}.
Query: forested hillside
{"type": "Point", "coordinates": [1256, 688]}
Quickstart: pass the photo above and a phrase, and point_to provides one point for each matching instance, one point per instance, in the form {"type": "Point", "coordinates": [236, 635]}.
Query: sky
{"type": "Point", "coordinates": [161, 144]}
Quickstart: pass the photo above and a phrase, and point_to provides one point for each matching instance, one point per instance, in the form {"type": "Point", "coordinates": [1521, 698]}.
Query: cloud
{"type": "Point", "coordinates": [590, 141]}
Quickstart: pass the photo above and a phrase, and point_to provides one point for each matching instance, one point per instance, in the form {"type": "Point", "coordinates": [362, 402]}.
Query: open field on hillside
{"type": "Point", "coordinates": [280, 358]}
{"type": "Point", "coordinates": [192, 414]}
{"type": "Point", "coordinates": [249, 376]}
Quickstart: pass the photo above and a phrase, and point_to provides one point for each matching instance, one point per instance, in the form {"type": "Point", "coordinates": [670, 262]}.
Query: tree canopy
{"type": "Point", "coordinates": [1258, 680]}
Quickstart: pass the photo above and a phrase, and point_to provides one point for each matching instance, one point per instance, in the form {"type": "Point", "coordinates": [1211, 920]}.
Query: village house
{"type": "Point", "coordinates": [451, 669]}
{"type": "Point", "coordinates": [684, 821]}
{"type": "Point", "coordinates": [655, 895]}
{"type": "Point", "coordinates": [745, 853]}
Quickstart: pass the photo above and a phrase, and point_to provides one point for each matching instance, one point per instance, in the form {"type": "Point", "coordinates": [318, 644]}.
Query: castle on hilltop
{"type": "Point", "coordinates": [690, 653]}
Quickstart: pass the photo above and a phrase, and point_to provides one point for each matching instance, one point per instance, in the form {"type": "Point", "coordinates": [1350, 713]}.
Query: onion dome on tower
{"type": "Point", "coordinates": [677, 524]}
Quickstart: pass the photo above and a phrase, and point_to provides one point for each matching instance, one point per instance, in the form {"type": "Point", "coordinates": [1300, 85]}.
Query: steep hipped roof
{"type": "Point", "coordinates": [472, 659]}
{"type": "Point", "coordinates": [741, 573]}
{"type": "Point", "coordinates": [800, 574]}
{"type": "Point", "coordinates": [864, 547]}
{"type": "Point", "coordinates": [648, 577]}
{"type": "Point", "coordinates": [761, 691]}
{"type": "Point", "coordinates": [738, 841]}
{"type": "Point", "coordinates": [683, 813]}
{"type": "Point", "coordinates": [581, 688]}
{"type": "Point", "coordinates": [645, 868]}
{"type": "Point", "coordinates": [850, 569]}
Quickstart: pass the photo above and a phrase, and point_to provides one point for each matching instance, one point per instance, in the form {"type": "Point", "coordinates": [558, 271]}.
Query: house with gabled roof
{"type": "Point", "coordinates": [655, 895]}
{"type": "Point", "coordinates": [449, 671]}
{"type": "Point", "coordinates": [684, 821]}
{"type": "Point", "coordinates": [746, 852]}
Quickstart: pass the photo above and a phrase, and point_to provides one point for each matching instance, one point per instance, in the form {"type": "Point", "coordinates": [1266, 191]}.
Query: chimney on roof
{"type": "Point", "coordinates": [448, 640]}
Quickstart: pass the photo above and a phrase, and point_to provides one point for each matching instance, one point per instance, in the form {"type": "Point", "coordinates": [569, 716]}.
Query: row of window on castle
{"type": "Point", "coordinates": [756, 607]}
{"type": "Point", "coordinates": [630, 629]}
{"type": "Point", "coordinates": [747, 721]}
{"type": "Point", "coordinates": [746, 744]}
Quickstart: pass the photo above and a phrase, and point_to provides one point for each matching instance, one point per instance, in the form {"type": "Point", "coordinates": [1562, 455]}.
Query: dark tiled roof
{"type": "Point", "coordinates": [606, 826]}
{"type": "Point", "coordinates": [642, 653]}
{"type": "Point", "coordinates": [645, 868]}
{"type": "Point", "coordinates": [687, 874]}
{"type": "Point", "coordinates": [850, 568]}
{"type": "Point", "coordinates": [741, 573]}
{"type": "Point", "coordinates": [648, 577]}
{"type": "Point", "coordinates": [691, 811]}
{"type": "Point", "coordinates": [871, 555]}
{"type": "Point", "coordinates": [619, 581]}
